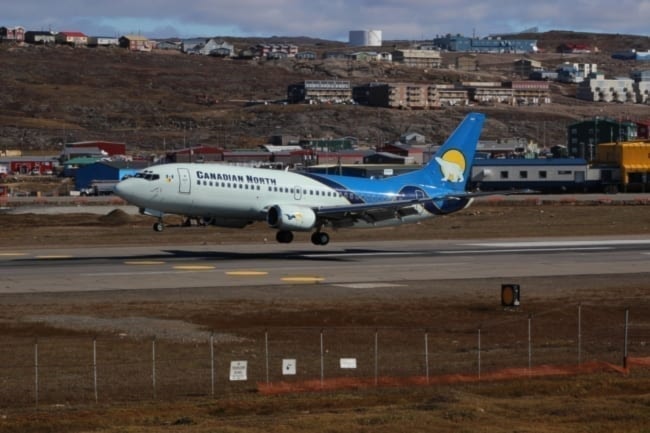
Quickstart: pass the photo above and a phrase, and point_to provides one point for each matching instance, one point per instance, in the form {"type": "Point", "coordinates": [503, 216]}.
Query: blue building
{"type": "Point", "coordinates": [106, 171]}
{"type": "Point", "coordinates": [486, 45]}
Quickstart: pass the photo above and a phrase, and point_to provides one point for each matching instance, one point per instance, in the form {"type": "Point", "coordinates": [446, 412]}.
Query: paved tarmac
{"type": "Point", "coordinates": [344, 269]}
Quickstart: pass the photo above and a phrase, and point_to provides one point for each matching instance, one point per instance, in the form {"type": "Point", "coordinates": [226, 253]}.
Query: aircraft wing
{"type": "Point", "coordinates": [374, 212]}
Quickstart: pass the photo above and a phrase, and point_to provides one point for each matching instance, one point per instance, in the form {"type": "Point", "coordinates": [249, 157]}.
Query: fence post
{"type": "Point", "coordinates": [266, 353]}
{"type": "Point", "coordinates": [212, 364]}
{"type": "Point", "coordinates": [627, 324]}
{"type": "Point", "coordinates": [36, 372]}
{"type": "Point", "coordinates": [530, 344]}
{"type": "Point", "coordinates": [376, 357]}
{"type": "Point", "coordinates": [153, 365]}
{"type": "Point", "coordinates": [322, 360]}
{"type": "Point", "coordinates": [579, 334]}
{"type": "Point", "coordinates": [426, 354]}
{"type": "Point", "coordinates": [479, 354]}
{"type": "Point", "coordinates": [95, 369]}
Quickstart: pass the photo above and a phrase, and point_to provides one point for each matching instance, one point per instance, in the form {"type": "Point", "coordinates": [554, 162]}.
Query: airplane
{"type": "Point", "coordinates": [289, 201]}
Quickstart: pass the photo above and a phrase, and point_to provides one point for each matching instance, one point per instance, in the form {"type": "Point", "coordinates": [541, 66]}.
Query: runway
{"type": "Point", "coordinates": [350, 266]}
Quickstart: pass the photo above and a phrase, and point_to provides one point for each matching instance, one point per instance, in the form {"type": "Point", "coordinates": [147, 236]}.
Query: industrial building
{"type": "Point", "coordinates": [584, 137]}
{"type": "Point", "coordinates": [485, 45]}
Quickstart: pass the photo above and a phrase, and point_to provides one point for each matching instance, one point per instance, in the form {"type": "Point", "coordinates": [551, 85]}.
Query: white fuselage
{"type": "Point", "coordinates": [243, 193]}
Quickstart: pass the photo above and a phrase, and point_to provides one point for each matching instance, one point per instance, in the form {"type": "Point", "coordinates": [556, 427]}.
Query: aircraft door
{"type": "Point", "coordinates": [297, 192]}
{"type": "Point", "coordinates": [184, 181]}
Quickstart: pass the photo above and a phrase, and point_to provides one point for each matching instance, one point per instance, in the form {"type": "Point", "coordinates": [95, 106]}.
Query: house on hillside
{"type": "Point", "coordinates": [136, 43]}
{"type": "Point", "coordinates": [71, 38]}
{"type": "Point", "coordinates": [525, 67]}
{"type": "Point", "coordinates": [570, 48]}
{"type": "Point", "coordinates": [103, 41]}
{"type": "Point", "coordinates": [218, 48]}
{"type": "Point", "coordinates": [192, 46]}
{"type": "Point", "coordinates": [12, 34]}
{"type": "Point", "coordinates": [38, 37]}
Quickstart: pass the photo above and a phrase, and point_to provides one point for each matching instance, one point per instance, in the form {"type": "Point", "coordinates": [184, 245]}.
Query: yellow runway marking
{"type": "Point", "coordinates": [53, 257]}
{"type": "Point", "coordinates": [194, 267]}
{"type": "Point", "coordinates": [12, 254]}
{"type": "Point", "coordinates": [303, 279]}
{"type": "Point", "coordinates": [144, 262]}
{"type": "Point", "coordinates": [246, 273]}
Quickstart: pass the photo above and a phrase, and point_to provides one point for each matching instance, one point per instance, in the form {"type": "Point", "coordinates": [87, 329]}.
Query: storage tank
{"type": "Point", "coordinates": [365, 38]}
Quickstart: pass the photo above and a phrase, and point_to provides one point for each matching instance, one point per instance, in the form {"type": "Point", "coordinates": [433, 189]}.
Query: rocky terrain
{"type": "Point", "coordinates": [157, 101]}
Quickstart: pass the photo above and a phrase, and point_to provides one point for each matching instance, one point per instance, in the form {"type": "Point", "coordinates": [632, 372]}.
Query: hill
{"type": "Point", "coordinates": [157, 101]}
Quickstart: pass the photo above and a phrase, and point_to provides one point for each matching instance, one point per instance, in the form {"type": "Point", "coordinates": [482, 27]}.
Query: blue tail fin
{"type": "Point", "coordinates": [451, 166]}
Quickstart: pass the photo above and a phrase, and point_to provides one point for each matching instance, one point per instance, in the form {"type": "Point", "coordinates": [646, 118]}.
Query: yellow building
{"type": "Point", "coordinates": [633, 158]}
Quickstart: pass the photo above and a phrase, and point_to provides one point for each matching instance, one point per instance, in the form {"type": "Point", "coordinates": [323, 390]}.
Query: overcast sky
{"type": "Point", "coordinates": [326, 19]}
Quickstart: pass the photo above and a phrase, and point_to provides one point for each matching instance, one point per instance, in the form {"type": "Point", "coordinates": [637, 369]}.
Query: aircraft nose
{"type": "Point", "coordinates": [123, 190]}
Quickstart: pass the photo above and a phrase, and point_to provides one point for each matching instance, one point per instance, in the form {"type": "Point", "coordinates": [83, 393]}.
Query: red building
{"type": "Point", "coordinates": [31, 165]}
{"type": "Point", "coordinates": [16, 34]}
{"type": "Point", "coordinates": [109, 147]}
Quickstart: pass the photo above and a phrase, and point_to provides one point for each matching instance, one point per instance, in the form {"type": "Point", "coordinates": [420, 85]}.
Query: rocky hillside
{"type": "Point", "coordinates": [156, 101]}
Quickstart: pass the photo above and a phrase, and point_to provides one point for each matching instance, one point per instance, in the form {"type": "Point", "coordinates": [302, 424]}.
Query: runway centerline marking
{"type": "Point", "coordinates": [12, 254]}
{"type": "Point", "coordinates": [303, 279]}
{"type": "Point", "coordinates": [194, 267]}
{"type": "Point", "coordinates": [245, 273]}
{"type": "Point", "coordinates": [53, 257]}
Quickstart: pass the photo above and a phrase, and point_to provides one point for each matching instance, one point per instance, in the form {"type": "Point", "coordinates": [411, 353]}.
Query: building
{"type": "Point", "coordinates": [99, 148]}
{"type": "Point", "coordinates": [571, 48]}
{"type": "Point", "coordinates": [103, 41]}
{"type": "Point", "coordinates": [115, 171]}
{"type": "Point", "coordinates": [267, 50]}
{"type": "Point", "coordinates": [525, 67]}
{"type": "Point", "coordinates": [71, 38]}
{"type": "Point", "coordinates": [12, 34]}
{"type": "Point", "coordinates": [418, 58]}
{"type": "Point", "coordinates": [36, 37]}
{"type": "Point", "coordinates": [584, 137]}
{"type": "Point", "coordinates": [486, 45]}
{"type": "Point", "coordinates": [467, 63]}
{"type": "Point", "coordinates": [575, 72]}
{"type": "Point", "coordinates": [598, 89]}
{"type": "Point", "coordinates": [35, 165]}
{"type": "Point", "coordinates": [317, 91]}
{"type": "Point", "coordinates": [136, 43]}
{"type": "Point", "coordinates": [632, 158]}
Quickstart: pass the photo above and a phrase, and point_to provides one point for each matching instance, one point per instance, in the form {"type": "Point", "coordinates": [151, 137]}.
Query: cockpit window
{"type": "Point", "coordinates": [147, 175]}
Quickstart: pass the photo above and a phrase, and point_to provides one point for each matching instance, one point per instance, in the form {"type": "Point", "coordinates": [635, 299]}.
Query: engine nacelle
{"type": "Point", "coordinates": [288, 217]}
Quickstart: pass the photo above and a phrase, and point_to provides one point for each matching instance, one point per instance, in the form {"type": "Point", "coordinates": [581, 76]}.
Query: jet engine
{"type": "Point", "coordinates": [288, 217]}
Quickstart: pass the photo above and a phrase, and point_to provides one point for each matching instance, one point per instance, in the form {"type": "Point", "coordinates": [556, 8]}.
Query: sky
{"type": "Point", "coordinates": [325, 19]}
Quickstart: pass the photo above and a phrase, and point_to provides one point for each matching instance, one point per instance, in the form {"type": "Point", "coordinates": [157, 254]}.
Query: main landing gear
{"type": "Point", "coordinates": [317, 238]}
{"type": "Point", "coordinates": [158, 226]}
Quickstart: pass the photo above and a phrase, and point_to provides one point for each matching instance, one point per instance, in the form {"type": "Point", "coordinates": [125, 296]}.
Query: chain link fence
{"type": "Point", "coordinates": [72, 370]}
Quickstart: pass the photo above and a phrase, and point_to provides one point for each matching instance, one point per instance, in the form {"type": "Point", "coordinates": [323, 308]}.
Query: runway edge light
{"type": "Point", "coordinates": [510, 295]}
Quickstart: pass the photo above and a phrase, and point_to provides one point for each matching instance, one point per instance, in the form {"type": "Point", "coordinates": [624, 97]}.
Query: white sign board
{"type": "Point", "coordinates": [289, 367]}
{"type": "Point", "coordinates": [348, 362]}
{"type": "Point", "coordinates": [238, 370]}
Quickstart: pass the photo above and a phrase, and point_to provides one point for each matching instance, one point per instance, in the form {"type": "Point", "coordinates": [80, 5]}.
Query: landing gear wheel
{"type": "Point", "coordinates": [320, 238]}
{"type": "Point", "coordinates": [284, 236]}
{"type": "Point", "coordinates": [158, 226]}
